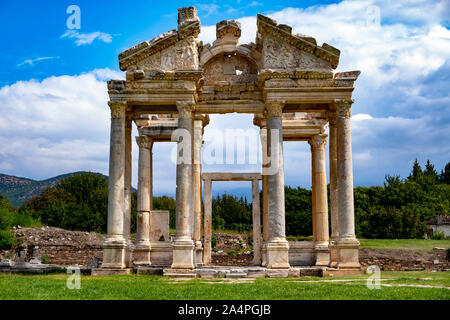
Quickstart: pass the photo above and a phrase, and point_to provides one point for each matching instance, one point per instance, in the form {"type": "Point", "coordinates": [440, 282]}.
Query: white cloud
{"type": "Point", "coordinates": [32, 62]}
{"type": "Point", "coordinates": [87, 38]}
{"type": "Point", "coordinates": [55, 125]}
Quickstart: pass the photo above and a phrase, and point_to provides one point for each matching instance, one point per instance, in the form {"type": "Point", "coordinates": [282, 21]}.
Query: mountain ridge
{"type": "Point", "coordinates": [20, 189]}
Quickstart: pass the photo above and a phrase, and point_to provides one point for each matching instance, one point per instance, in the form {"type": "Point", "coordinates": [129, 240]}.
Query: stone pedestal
{"type": "Point", "coordinates": [277, 254]}
{"type": "Point", "coordinates": [161, 247]}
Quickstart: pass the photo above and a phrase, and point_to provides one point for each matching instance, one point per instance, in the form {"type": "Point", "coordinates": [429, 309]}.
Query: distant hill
{"type": "Point", "coordinates": [19, 190]}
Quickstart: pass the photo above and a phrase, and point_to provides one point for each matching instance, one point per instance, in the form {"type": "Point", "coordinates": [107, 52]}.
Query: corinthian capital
{"type": "Point", "coordinates": [318, 141]}
{"type": "Point", "coordinates": [343, 107]}
{"type": "Point", "coordinates": [185, 109]}
{"type": "Point", "coordinates": [274, 108]}
{"type": "Point", "coordinates": [144, 142]}
{"type": "Point", "coordinates": [118, 109]}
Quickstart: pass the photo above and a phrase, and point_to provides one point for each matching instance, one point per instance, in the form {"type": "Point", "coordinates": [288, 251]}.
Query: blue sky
{"type": "Point", "coordinates": [53, 112]}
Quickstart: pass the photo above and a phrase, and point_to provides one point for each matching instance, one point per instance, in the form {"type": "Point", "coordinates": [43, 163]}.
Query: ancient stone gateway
{"type": "Point", "coordinates": [172, 83]}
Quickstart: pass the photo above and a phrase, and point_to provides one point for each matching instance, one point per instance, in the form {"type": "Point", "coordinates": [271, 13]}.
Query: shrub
{"type": "Point", "coordinates": [7, 239]}
{"type": "Point", "coordinates": [25, 219]}
{"type": "Point", "coordinates": [437, 235]}
{"type": "Point", "coordinates": [5, 218]}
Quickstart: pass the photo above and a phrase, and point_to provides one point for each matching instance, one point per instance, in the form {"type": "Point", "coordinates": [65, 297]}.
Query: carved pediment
{"type": "Point", "coordinates": [283, 50]}
{"type": "Point", "coordinates": [173, 50]}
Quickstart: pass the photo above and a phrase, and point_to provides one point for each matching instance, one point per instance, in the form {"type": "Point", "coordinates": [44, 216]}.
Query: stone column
{"type": "Point", "coordinates": [265, 195]}
{"type": "Point", "coordinates": [141, 254]}
{"type": "Point", "coordinates": [347, 245]}
{"type": "Point", "coordinates": [207, 228]}
{"type": "Point", "coordinates": [333, 187]}
{"type": "Point", "coordinates": [320, 199]}
{"type": "Point", "coordinates": [277, 247]}
{"type": "Point", "coordinates": [256, 223]}
{"type": "Point", "coordinates": [127, 188]}
{"type": "Point", "coordinates": [197, 184]}
{"type": "Point", "coordinates": [183, 246]}
{"type": "Point", "coordinates": [115, 244]}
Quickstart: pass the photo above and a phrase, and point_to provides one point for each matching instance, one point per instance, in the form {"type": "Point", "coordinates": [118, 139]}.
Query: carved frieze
{"type": "Point", "coordinates": [279, 55]}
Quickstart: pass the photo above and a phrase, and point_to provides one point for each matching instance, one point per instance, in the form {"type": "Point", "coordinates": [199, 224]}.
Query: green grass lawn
{"type": "Point", "coordinates": [415, 244]}
{"type": "Point", "coordinates": [155, 287]}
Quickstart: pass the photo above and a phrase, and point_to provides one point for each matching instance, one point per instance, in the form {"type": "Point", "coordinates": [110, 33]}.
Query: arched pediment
{"type": "Point", "coordinates": [231, 67]}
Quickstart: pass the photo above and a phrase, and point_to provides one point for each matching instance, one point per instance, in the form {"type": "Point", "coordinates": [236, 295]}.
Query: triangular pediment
{"type": "Point", "coordinates": [173, 50]}
{"type": "Point", "coordinates": [284, 50]}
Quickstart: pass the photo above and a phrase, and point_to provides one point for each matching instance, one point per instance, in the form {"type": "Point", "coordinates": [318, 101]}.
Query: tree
{"type": "Point", "coordinates": [444, 177]}
{"type": "Point", "coordinates": [416, 173]}
{"type": "Point", "coordinates": [430, 174]}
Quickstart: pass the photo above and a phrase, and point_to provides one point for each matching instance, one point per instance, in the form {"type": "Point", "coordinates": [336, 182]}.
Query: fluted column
{"type": "Point", "coordinates": [183, 245]}
{"type": "Point", "coordinates": [197, 186]}
{"type": "Point", "coordinates": [320, 199]}
{"type": "Point", "coordinates": [265, 195]}
{"type": "Point", "coordinates": [141, 254]}
{"type": "Point", "coordinates": [114, 246]}
{"type": "Point", "coordinates": [347, 244]}
{"type": "Point", "coordinates": [277, 246]}
{"type": "Point", "coordinates": [127, 187]}
{"type": "Point", "coordinates": [333, 187]}
{"type": "Point", "coordinates": [256, 215]}
{"type": "Point", "coordinates": [207, 229]}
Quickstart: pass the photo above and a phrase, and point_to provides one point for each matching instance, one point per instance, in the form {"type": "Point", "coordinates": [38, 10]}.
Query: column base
{"type": "Point", "coordinates": [333, 254]}
{"type": "Point", "coordinates": [264, 255]}
{"type": "Point", "coordinates": [322, 254]}
{"type": "Point", "coordinates": [141, 254]}
{"type": "Point", "coordinates": [161, 253]}
{"type": "Point", "coordinates": [115, 253]}
{"type": "Point", "coordinates": [129, 254]}
{"type": "Point", "coordinates": [277, 254]}
{"type": "Point", "coordinates": [198, 255]}
{"type": "Point", "coordinates": [347, 253]}
{"type": "Point", "coordinates": [183, 254]}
